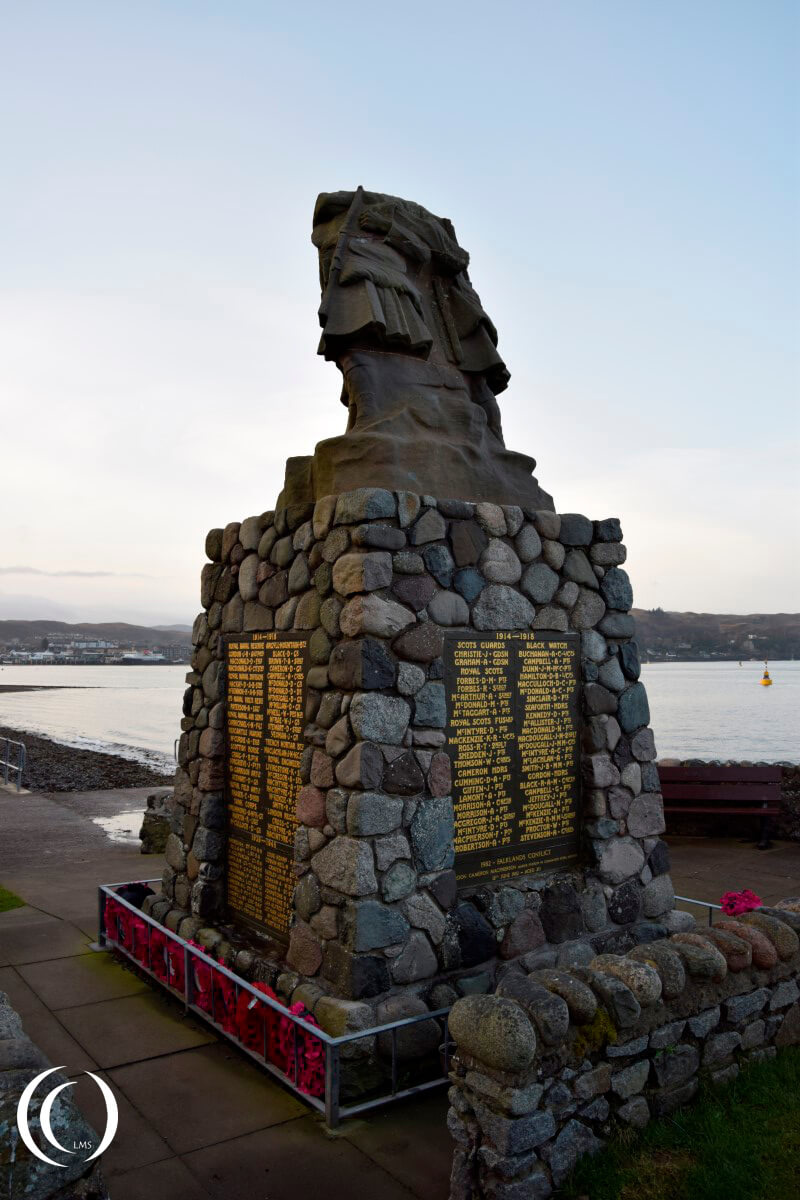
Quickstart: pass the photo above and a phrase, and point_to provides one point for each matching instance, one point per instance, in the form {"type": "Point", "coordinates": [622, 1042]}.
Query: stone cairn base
{"type": "Point", "coordinates": [547, 1066]}
{"type": "Point", "coordinates": [380, 929]}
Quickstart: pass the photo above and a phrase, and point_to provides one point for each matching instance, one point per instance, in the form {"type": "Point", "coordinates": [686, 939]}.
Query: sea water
{"type": "Point", "coordinates": [698, 710]}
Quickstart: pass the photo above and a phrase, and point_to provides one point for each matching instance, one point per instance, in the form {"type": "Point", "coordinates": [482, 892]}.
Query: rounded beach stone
{"type": "Point", "coordinates": [514, 518]}
{"type": "Point", "coordinates": [412, 1041]}
{"type": "Point", "coordinates": [499, 563]}
{"type": "Point", "coordinates": [371, 614]}
{"type": "Point", "coordinates": [701, 957]}
{"type": "Point", "coordinates": [643, 746]}
{"type": "Point", "coordinates": [784, 939]}
{"type": "Point", "coordinates": [623, 1007]}
{"type": "Point", "coordinates": [738, 953]}
{"type": "Point", "coordinates": [364, 504]}
{"type": "Point", "coordinates": [305, 952]}
{"type": "Point", "coordinates": [468, 541]}
{"type": "Point", "coordinates": [431, 527]}
{"type": "Point", "coordinates": [643, 980]}
{"type": "Point", "coordinates": [362, 572]}
{"type": "Point", "coordinates": [765, 956]}
{"type": "Point", "coordinates": [528, 544]}
{"type": "Point", "coordinates": [448, 608]}
{"type": "Point", "coordinates": [625, 903]}
{"type": "Point", "coordinates": [494, 1030]}
{"type": "Point", "coordinates": [346, 864]}
{"type": "Point", "coordinates": [578, 569]}
{"type": "Point", "coordinates": [378, 718]}
{"type": "Point", "coordinates": [575, 530]}
{"type": "Point", "coordinates": [790, 918]}
{"type": "Point", "coordinates": [667, 962]}
{"type": "Point", "coordinates": [553, 554]}
{"type": "Point", "coordinates": [588, 610]}
{"type": "Point", "coordinates": [311, 807]}
{"type": "Point", "coordinates": [634, 711]}
{"type": "Point", "coordinates": [579, 998]}
{"type": "Point", "coordinates": [523, 934]}
{"type": "Point", "coordinates": [547, 1010]}
{"type": "Point", "coordinates": [658, 895]}
{"type": "Point", "coordinates": [550, 617]}
{"type": "Point", "coordinates": [616, 590]}
{"type": "Point", "coordinates": [414, 590]}
{"type": "Point", "coordinates": [469, 583]}
{"type": "Point", "coordinates": [620, 858]}
{"type": "Point", "coordinates": [214, 544]}
{"type": "Point", "coordinates": [423, 643]}
{"type": "Point", "coordinates": [540, 583]}
{"type": "Point", "coordinates": [501, 607]}
{"type": "Point", "coordinates": [491, 518]}
{"type": "Point", "coordinates": [611, 675]}
{"type": "Point", "coordinates": [567, 595]}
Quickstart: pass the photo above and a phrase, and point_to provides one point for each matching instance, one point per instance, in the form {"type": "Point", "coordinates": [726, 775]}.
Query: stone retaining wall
{"type": "Point", "coordinates": [554, 1060]}
{"type": "Point", "coordinates": [374, 579]}
{"type": "Point", "coordinates": [24, 1175]}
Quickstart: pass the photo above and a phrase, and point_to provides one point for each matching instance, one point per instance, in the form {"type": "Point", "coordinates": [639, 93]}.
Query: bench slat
{"type": "Point", "coordinates": [723, 812]}
{"type": "Point", "coordinates": [743, 793]}
{"type": "Point", "coordinates": [721, 774]}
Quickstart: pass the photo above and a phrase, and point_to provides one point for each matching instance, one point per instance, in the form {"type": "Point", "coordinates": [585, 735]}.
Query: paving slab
{"type": "Point", "coordinates": [22, 997]}
{"type": "Point", "coordinates": [42, 1026]}
{"type": "Point", "coordinates": [411, 1141]}
{"type": "Point", "coordinates": [291, 1161]}
{"type": "Point", "coordinates": [132, 1028]}
{"type": "Point", "coordinates": [85, 979]}
{"type": "Point", "coordinates": [169, 1179]}
{"type": "Point", "coordinates": [136, 1142]}
{"type": "Point", "coordinates": [55, 855]}
{"type": "Point", "coordinates": [704, 868]}
{"type": "Point", "coordinates": [57, 1043]}
{"type": "Point", "coordinates": [207, 1095]}
{"type": "Point", "coordinates": [40, 939]}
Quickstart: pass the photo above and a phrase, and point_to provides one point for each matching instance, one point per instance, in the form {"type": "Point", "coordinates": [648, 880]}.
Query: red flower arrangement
{"type": "Point", "coordinates": [262, 1029]}
{"type": "Point", "coordinates": [735, 903]}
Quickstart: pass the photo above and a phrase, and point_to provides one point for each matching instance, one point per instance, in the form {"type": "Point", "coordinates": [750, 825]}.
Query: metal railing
{"type": "Point", "coordinates": [7, 766]}
{"type": "Point", "coordinates": [712, 908]}
{"type": "Point", "coordinates": [330, 1106]}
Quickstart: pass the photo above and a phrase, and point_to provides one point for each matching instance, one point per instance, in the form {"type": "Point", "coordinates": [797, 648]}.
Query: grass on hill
{"type": "Point", "coordinates": [9, 900]}
{"type": "Point", "coordinates": [740, 1142]}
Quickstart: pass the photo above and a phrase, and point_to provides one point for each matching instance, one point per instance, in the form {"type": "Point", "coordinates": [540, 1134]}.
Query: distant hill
{"type": "Point", "coordinates": [687, 636]}
{"type": "Point", "coordinates": [28, 632]}
{"type": "Point", "coordinates": [691, 636]}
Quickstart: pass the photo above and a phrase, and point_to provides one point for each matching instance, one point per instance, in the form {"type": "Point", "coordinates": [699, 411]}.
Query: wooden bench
{"type": "Point", "coordinates": [724, 792]}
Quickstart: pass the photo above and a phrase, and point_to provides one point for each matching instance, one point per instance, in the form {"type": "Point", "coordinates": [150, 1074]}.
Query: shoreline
{"type": "Point", "coordinates": [52, 766]}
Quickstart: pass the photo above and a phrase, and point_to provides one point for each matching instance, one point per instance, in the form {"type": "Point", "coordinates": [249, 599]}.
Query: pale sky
{"type": "Point", "coordinates": [624, 175]}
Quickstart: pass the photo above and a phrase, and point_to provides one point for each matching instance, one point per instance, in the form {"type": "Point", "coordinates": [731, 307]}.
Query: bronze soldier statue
{"type": "Point", "coordinates": [418, 357]}
{"type": "Point", "coordinates": [394, 278]}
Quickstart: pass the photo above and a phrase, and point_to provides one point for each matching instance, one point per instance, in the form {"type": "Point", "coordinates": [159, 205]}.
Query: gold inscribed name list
{"type": "Point", "coordinates": [513, 741]}
{"type": "Point", "coordinates": [482, 727]}
{"type": "Point", "coordinates": [265, 701]}
{"type": "Point", "coordinates": [547, 739]}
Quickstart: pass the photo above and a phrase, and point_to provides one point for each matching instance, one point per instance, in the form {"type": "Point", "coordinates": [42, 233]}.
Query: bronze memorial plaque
{"type": "Point", "coordinates": [266, 709]}
{"type": "Point", "coordinates": [512, 734]}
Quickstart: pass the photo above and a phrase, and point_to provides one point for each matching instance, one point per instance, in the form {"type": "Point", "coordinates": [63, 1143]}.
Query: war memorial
{"type": "Point", "coordinates": [416, 771]}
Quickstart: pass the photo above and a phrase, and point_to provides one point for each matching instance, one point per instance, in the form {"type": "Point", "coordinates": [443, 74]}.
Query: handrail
{"type": "Point", "coordinates": [702, 904]}
{"type": "Point", "coordinates": [6, 763]}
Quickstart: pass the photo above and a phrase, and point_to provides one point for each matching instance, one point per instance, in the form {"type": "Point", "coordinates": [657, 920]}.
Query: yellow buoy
{"type": "Point", "coordinates": [765, 679]}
